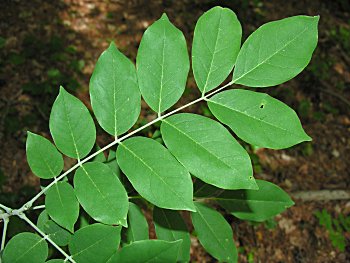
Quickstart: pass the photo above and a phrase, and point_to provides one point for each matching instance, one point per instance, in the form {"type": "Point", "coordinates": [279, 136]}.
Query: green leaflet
{"type": "Point", "coordinates": [202, 189]}
{"type": "Point", "coordinates": [216, 43]}
{"type": "Point", "coordinates": [214, 233]}
{"type": "Point", "coordinates": [25, 248]}
{"type": "Point", "coordinates": [170, 226]}
{"type": "Point", "coordinates": [155, 251]}
{"type": "Point", "coordinates": [55, 261]}
{"type": "Point", "coordinates": [256, 205]}
{"type": "Point", "coordinates": [42, 156]}
{"type": "Point", "coordinates": [62, 205]}
{"type": "Point", "coordinates": [100, 157]}
{"type": "Point", "coordinates": [208, 151]}
{"type": "Point", "coordinates": [162, 65]}
{"type": "Point", "coordinates": [56, 233]}
{"type": "Point", "coordinates": [101, 194]}
{"type": "Point", "coordinates": [71, 126]}
{"type": "Point", "coordinates": [156, 174]}
{"type": "Point", "coordinates": [258, 118]}
{"type": "Point", "coordinates": [112, 162]}
{"type": "Point", "coordinates": [276, 52]}
{"type": "Point", "coordinates": [114, 93]}
{"type": "Point", "coordinates": [95, 243]}
{"type": "Point", "coordinates": [137, 225]}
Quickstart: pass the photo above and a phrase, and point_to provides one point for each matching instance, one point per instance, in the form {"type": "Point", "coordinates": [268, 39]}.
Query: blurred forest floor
{"type": "Point", "coordinates": [44, 44]}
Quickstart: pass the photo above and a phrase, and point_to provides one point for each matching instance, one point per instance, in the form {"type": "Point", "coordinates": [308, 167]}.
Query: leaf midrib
{"type": "Point", "coordinates": [160, 253]}
{"type": "Point", "coordinates": [70, 127]}
{"type": "Point", "coordinates": [97, 188]}
{"type": "Point", "coordinates": [213, 54]}
{"type": "Point", "coordinates": [272, 55]}
{"type": "Point", "coordinates": [211, 229]}
{"type": "Point", "coordinates": [189, 137]}
{"type": "Point", "coordinates": [162, 75]}
{"type": "Point", "coordinates": [153, 171]}
{"type": "Point", "coordinates": [253, 117]}
{"type": "Point", "coordinates": [27, 251]}
{"type": "Point", "coordinates": [250, 200]}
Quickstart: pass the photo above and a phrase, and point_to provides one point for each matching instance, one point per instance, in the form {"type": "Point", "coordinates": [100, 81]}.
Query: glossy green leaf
{"type": "Point", "coordinates": [216, 43]}
{"type": "Point", "coordinates": [258, 118]}
{"type": "Point", "coordinates": [25, 248]}
{"type": "Point", "coordinates": [101, 194]}
{"type": "Point", "coordinates": [170, 226]}
{"type": "Point", "coordinates": [208, 151]}
{"type": "Point", "coordinates": [42, 156]}
{"type": "Point", "coordinates": [214, 233]}
{"type": "Point", "coordinates": [71, 126]}
{"type": "Point", "coordinates": [62, 205]}
{"type": "Point", "coordinates": [155, 173]}
{"type": "Point", "coordinates": [162, 64]}
{"type": "Point", "coordinates": [95, 243]}
{"type": "Point", "coordinates": [114, 93]}
{"type": "Point", "coordinates": [56, 233]}
{"type": "Point", "coordinates": [137, 225]}
{"type": "Point", "coordinates": [276, 52]}
{"type": "Point", "coordinates": [256, 205]}
{"type": "Point", "coordinates": [155, 251]}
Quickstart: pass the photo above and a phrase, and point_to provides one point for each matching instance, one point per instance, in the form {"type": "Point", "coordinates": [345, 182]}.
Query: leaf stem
{"type": "Point", "coordinates": [38, 207]}
{"type": "Point", "coordinates": [25, 218]}
{"type": "Point", "coordinates": [29, 204]}
{"type": "Point", "coordinates": [4, 230]}
{"type": "Point", "coordinates": [5, 208]}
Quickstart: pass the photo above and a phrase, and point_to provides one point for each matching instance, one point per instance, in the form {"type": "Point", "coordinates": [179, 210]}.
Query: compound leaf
{"type": "Point", "coordinates": [137, 225]}
{"type": "Point", "coordinates": [101, 194]}
{"type": "Point", "coordinates": [62, 205]}
{"type": "Point", "coordinates": [155, 173]}
{"type": "Point", "coordinates": [155, 251]}
{"type": "Point", "coordinates": [276, 52]}
{"type": "Point", "coordinates": [258, 118]}
{"type": "Point", "coordinates": [95, 243]}
{"type": "Point", "coordinates": [208, 151]}
{"type": "Point", "coordinates": [71, 126]}
{"type": "Point", "coordinates": [25, 248]}
{"type": "Point", "coordinates": [256, 205]}
{"type": "Point", "coordinates": [170, 226]}
{"type": "Point", "coordinates": [114, 93]}
{"type": "Point", "coordinates": [214, 233]}
{"type": "Point", "coordinates": [162, 64]}
{"type": "Point", "coordinates": [216, 43]}
{"type": "Point", "coordinates": [42, 156]}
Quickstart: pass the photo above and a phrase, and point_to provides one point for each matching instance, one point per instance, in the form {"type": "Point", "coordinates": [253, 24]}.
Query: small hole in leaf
{"type": "Point", "coordinates": [262, 106]}
{"type": "Point", "coordinates": [250, 177]}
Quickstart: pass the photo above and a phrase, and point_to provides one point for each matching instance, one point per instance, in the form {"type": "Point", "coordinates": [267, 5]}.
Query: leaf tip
{"type": "Point", "coordinates": [62, 90]}
{"type": "Point", "coordinates": [112, 45]}
{"type": "Point", "coordinates": [253, 185]}
{"type": "Point", "coordinates": [164, 17]}
{"type": "Point", "coordinates": [29, 133]}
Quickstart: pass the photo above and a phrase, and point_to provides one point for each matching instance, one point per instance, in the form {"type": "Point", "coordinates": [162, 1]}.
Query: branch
{"type": "Point", "coordinates": [5, 208]}
{"type": "Point", "coordinates": [4, 230]}
{"type": "Point", "coordinates": [29, 204]}
{"type": "Point", "coordinates": [25, 218]}
{"type": "Point", "coordinates": [322, 195]}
